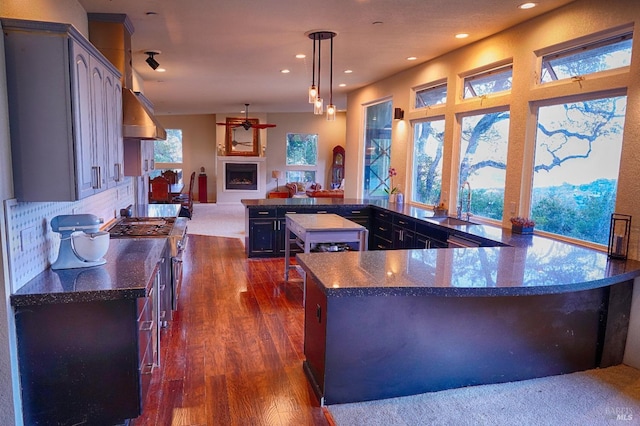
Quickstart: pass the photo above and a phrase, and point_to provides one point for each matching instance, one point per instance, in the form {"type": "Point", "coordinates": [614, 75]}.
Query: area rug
{"type": "Point", "coordinates": [609, 396]}
{"type": "Point", "coordinates": [218, 220]}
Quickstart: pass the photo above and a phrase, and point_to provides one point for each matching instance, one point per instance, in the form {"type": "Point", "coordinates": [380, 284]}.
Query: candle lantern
{"type": "Point", "coordinates": [619, 236]}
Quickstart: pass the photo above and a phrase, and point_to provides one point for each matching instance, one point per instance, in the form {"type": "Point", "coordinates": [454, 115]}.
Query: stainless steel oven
{"type": "Point", "coordinates": [175, 230]}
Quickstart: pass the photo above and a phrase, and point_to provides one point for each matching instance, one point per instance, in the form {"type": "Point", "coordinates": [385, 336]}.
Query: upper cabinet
{"type": "Point", "coordinates": [65, 113]}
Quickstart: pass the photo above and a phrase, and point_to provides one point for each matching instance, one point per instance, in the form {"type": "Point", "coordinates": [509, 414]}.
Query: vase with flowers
{"type": "Point", "coordinates": [392, 191]}
{"type": "Point", "coordinates": [522, 225]}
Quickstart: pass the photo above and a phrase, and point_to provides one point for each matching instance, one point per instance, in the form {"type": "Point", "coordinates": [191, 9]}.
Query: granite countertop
{"type": "Point", "coordinates": [130, 265]}
{"type": "Point", "coordinates": [545, 267]}
{"type": "Point", "coordinates": [522, 265]}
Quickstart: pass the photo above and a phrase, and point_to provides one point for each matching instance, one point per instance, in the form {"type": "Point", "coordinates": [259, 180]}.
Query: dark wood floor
{"type": "Point", "coordinates": [233, 353]}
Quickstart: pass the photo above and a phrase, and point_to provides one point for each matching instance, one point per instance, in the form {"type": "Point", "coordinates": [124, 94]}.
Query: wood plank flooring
{"type": "Point", "coordinates": [233, 353]}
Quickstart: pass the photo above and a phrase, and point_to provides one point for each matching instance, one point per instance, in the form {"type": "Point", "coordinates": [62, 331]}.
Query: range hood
{"type": "Point", "coordinates": [111, 34]}
{"type": "Point", "coordinates": [137, 120]}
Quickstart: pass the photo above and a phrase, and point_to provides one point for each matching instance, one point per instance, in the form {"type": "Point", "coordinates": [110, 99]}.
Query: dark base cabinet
{"type": "Point", "coordinates": [79, 362]}
{"type": "Point", "coordinates": [361, 348]}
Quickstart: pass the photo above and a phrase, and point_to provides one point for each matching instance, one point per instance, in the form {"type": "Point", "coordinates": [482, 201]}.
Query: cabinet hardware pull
{"type": "Point", "coordinates": [263, 212]}
{"type": "Point", "coordinates": [319, 313]}
{"type": "Point", "coordinates": [321, 211]}
{"type": "Point", "coordinates": [355, 211]}
{"type": "Point", "coordinates": [153, 164]}
{"type": "Point", "coordinates": [146, 165]}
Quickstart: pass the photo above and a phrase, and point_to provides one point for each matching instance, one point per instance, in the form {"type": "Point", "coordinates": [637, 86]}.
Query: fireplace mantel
{"type": "Point", "coordinates": [226, 196]}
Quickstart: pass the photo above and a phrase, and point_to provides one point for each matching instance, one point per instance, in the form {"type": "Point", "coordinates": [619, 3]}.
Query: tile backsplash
{"type": "Point", "coordinates": [33, 246]}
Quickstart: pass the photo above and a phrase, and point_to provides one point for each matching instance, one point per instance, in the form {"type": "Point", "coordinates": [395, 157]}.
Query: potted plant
{"type": "Point", "coordinates": [522, 225]}
{"type": "Point", "coordinates": [392, 191]}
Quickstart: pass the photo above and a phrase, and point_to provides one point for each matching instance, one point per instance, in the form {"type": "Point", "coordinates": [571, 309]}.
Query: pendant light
{"type": "Point", "coordinates": [314, 95]}
{"type": "Point", "coordinates": [331, 108]}
{"type": "Point", "coordinates": [317, 105]}
{"type": "Point", "coordinates": [313, 90]}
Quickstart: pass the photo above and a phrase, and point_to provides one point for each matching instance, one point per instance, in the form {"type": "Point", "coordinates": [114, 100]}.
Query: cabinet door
{"type": "Point", "coordinates": [264, 238]}
{"type": "Point", "coordinates": [115, 150]}
{"type": "Point", "coordinates": [82, 121]}
{"type": "Point", "coordinates": [98, 109]}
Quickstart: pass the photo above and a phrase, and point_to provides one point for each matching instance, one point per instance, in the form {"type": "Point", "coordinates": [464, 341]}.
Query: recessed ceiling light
{"type": "Point", "coordinates": [527, 5]}
{"type": "Point", "coordinates": [412, 58]}
{"type": "Point", "coordinates": [161, 70]}
{"type": "Point", "coordinates": [348, 71]}
{"type": "Point", "coordinates": [301, 56]}
{"type": "Point", "coordinates": [462, 35]}
{"type": "Point", "coordinates": [341, 85]}
{"type": "Point", "coordinates": [285, 71]}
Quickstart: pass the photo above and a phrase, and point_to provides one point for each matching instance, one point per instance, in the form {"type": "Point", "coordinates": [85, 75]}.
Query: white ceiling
{"type": "Point", "coordinates": [222, 54]}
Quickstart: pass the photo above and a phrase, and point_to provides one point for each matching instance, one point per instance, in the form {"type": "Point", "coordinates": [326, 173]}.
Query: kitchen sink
{"type": "Point", "coordinates": [451, 221]}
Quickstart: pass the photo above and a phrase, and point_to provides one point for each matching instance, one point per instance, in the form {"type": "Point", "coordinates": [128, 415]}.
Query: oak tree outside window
{"type": "Point", "coordinates": [577, 158]}
{"type": "Point", "coordinates": [432, 95]}
{"type": "Point", "coordinates": [428, 141]}
{"type": "Point", "coordinates": [167, 154]}
{"type": "Point", "coordinates": [602, 55]}
{"type": "Point", "coordinates": [302, 149]}
{"type": "Point", "coordinates": [483, 161]}
{"type": "Point", "coordinates": [487, 82]}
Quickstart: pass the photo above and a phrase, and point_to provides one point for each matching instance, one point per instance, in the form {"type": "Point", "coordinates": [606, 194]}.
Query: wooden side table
{"type": "Point", "coordinates": [278, 194]}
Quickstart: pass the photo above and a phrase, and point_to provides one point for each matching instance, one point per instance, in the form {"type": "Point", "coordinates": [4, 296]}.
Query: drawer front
{"type": "Point", "coordinates": [404, 222]}
{"type": "Point", "coordinates": [260, 212]}
{"type": "Point", "coordinates": [382, 215]}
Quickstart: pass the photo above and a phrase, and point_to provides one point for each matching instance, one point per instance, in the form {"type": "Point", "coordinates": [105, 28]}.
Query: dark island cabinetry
{"type": "Point", "coordinates": [266, 226]}
{"type": "Point", "coordinates": [394, 327]}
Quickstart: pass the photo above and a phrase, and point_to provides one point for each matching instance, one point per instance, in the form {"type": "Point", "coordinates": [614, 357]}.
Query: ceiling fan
{"type": "Point", "coordinates": [247, 124]}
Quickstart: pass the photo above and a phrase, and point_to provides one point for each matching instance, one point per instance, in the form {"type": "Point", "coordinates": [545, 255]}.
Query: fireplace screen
{"type": "Point", "coordinates": [241, 176]}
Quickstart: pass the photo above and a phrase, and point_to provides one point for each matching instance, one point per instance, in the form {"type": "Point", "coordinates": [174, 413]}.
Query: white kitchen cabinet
{"type": "Point", "coordinates": [65, 117]}
{"type": "Point", "coordinates": [138, 155]}
{"type": "Point", "coordinates": [115, 151]}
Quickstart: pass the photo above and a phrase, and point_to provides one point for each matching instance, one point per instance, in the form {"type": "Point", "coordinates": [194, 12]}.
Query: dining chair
{"type": "Point", "coordinates": [159, 190]}
{"type": "Point", "coordinates": [171, 176]}
{"type": "Point", "coordinates": [186, 199]}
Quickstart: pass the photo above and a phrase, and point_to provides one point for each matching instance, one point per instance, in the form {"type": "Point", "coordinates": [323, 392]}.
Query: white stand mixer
{"type": "Point", "coordinates": [82, 244]}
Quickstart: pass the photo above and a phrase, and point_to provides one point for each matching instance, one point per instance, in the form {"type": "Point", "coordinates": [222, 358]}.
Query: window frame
{"type": "Point", "coordinates": [425, 88]}
{"type": "Point", "coordinates": [526, 196]}
{"type": "Point", "coordinates": [591, 41]}
{"type": "Point", "coordinates": [495, 68]}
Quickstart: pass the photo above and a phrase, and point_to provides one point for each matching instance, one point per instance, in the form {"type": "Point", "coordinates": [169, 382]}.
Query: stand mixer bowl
{"type": "Point", "coordinates": [90, 247]}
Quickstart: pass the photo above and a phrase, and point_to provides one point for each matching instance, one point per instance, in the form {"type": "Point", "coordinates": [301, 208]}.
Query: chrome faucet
{"type": "Point", "coordinates": [468, 185]}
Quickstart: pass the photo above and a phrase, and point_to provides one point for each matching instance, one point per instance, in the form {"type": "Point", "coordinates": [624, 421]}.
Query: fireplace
{"type": "Point", "coordinates": [241, 176]}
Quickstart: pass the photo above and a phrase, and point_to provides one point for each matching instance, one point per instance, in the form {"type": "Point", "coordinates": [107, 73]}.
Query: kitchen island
{"type": "Point", "coordinates": [88, 337]}
{"type": "Point", "coordinates": [383, 324]}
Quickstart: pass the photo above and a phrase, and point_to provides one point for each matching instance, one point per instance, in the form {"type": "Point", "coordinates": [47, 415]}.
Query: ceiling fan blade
{"type": "Point", "coordinates": [263, 125]}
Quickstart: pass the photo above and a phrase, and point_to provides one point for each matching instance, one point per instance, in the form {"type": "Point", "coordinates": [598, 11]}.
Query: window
{"type": "Point", "coordinates": [483, 162]}
{"type": "Point", "coordinates": [433, 95]}
{"type": "Point", "coordinates": [487, 82]}
{"type": "Point", "coordinates": [428, 140]}
{"type": "Point", "coordinates": [169, 150]}
{"type": "Point", "coordinates": [602, 55]}
{"type": "Point", "coordinates": [377, 149]}
{"type": "Point", "coordinates": [167, 154]}
{"type": "Point", "coordinates": [301, 176]}
{"type": "Point", "coordinates": [302, 149]}
{"type": "Point", "coordinates": [578, 146]}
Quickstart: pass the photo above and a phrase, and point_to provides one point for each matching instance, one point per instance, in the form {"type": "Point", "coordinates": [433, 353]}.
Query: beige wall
{"type": "Point", "coordinates": [198, 147]}
{"type": "Point", "coordinates": [202, 139]}
{"type": "Point", "coordinates": [518, 44]}
{"type": "Point", "coordinates": [330, 134]}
